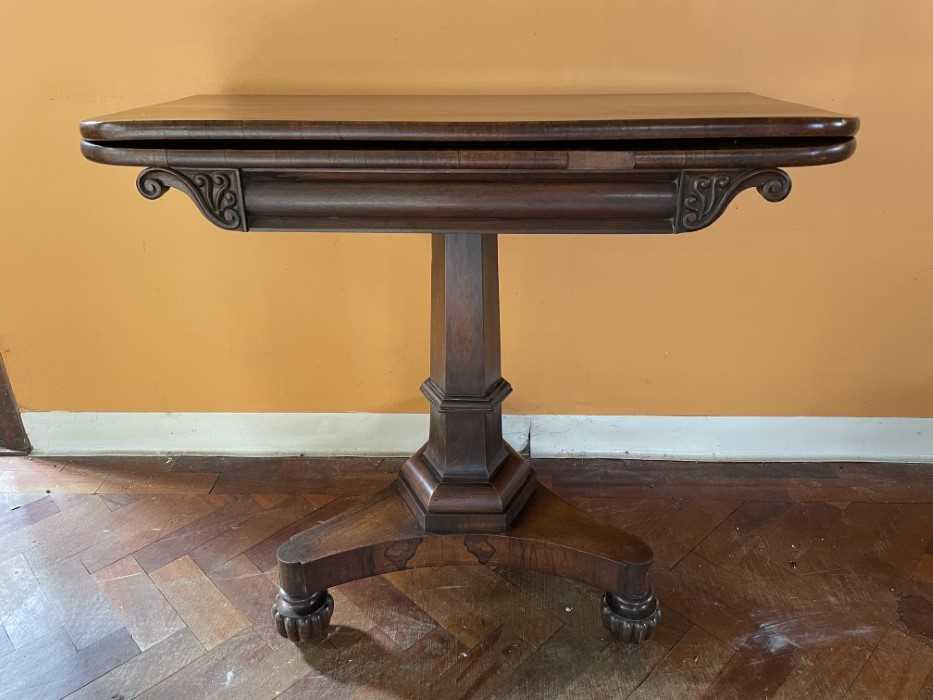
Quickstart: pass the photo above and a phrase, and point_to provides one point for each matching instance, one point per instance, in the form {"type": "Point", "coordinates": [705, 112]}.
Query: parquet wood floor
{"type": "Point", "coordinates": [153, 578]}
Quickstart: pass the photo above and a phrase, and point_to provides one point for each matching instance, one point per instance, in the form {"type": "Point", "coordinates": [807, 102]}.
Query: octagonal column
{"type": "Point", "coordinates": [466, 478]}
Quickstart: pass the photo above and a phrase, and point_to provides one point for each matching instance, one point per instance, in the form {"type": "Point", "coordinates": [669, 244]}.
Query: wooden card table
{"type": "Point", "coordinates": [465, 168]}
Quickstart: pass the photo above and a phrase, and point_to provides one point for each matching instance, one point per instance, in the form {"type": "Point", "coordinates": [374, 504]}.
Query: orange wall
{"type": "Point", "coordinates": [822, 305]}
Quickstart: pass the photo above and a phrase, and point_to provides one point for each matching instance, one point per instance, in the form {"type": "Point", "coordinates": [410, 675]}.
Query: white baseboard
{"type": "Point", "coordinates": [726, 438]}
{"type": "Point", "coordinates": [316, 434]}
{"type": "Point", "coordinates": [734, 438]}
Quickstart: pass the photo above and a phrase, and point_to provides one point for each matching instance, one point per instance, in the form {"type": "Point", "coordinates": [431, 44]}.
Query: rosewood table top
{"type": "Point", "coordinates": [465, 168]}
{"type": "Point", "coordinates": [470, 118]}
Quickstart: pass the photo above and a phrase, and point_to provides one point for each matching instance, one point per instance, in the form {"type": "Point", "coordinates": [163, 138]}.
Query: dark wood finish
{"type": "Point", "coordinates": [550, 536]}
{"type": "Point", "coordinates": [659, 202]}
{"type": "Point", "coordinates": [463, 168]}
{"type": "Point", "coordinates": [531, 164]}
{"type": "Point", "coordinates": [466, 478]}
{"type": "Point", "coordinates": [468, 118]}
{"type": "Point", "coordinates": [535, 159]}
{"type": "Point", "coordinates": [13, 436]}
{"type": "Point", "coordinates": [804, 580]}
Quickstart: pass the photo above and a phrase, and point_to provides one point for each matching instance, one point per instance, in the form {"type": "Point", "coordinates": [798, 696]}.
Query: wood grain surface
{"type": "Point", "coordinates": [777, 580]}
{"type": "Point", "coordinates": [469, 117]}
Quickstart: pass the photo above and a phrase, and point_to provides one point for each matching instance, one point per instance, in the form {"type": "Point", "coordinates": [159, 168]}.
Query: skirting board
{"type": "Point", "coordinates": [725, 438]}
{"type": "Point", "coordinates": [735, 438]}
{"type": "Point", "coordinates": [314, 434]}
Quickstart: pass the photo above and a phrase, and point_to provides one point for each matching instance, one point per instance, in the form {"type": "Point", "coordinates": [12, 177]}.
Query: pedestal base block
{"type": "Point", "coordinates": [383, 535]}
{"type": "Point", "coordinates": [442, 506]}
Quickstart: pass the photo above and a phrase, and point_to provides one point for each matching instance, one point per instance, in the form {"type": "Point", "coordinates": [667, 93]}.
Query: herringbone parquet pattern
{"type": "Point", "coordinates": [153, 578]}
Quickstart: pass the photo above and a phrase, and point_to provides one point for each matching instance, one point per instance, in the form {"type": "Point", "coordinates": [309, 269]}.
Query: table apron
{"type": "Point", "coordinates": [612, 200]}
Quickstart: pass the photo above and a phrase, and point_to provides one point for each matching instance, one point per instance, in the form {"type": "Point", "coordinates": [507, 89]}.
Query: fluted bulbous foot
{"type": "Point", "coordinates": [303, 620]}
{"type": "Point", "coordinates": [631, 620]}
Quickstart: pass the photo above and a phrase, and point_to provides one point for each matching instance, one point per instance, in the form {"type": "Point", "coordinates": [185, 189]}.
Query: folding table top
{"type": "Point", "coordinates": [472, 118]}
{"type": "Point", "coordinates": [469, 163]}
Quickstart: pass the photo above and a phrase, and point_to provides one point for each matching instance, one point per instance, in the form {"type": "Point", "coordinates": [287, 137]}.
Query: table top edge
{"type": "Point", "coordinates": [643, 121]}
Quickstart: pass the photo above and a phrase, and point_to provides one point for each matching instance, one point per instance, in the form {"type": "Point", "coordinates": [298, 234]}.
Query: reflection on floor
{"type": "Point", "coordinates": [153, 577]}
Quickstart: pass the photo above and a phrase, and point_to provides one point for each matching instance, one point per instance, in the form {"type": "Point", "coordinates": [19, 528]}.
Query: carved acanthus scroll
{"type": "Point", "coordinates": [704, 195]}
{"type": "Point", "coordinates": [217, 193]}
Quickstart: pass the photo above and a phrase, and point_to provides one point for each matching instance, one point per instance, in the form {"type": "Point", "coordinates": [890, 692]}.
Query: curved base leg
{"type": "Point", "coordinates": [631, 619]}
{"type": "Point", "coordinates": [303, 619]}
{"type": "Point", "coordinates": [384, 535]}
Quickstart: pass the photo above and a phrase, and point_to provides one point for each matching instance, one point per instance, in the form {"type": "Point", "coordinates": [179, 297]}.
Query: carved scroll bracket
{"type": "Point", "coordinates": [704, 195]}
{"type": "Point", "coordinates": [217, 193]}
